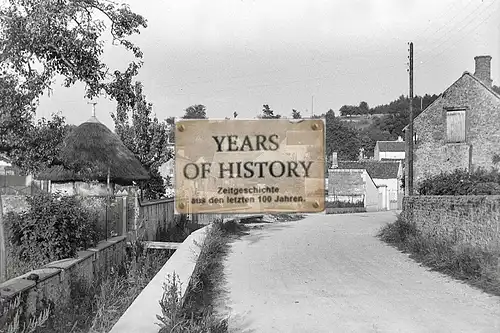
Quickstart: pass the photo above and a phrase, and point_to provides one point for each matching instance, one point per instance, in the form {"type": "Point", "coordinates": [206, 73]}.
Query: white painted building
{"type": "Point", "coordinates": [389, 150]}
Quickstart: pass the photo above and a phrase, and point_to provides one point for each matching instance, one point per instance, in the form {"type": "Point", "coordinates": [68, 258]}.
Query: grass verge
{"type": "Point", "coordinates": [476, 266]}
{"type": "Point", "coordinates": [196, 313]}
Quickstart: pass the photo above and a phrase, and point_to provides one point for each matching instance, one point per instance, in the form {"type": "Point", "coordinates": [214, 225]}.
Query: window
{"type": "Point", "coordinates": [455, 126]}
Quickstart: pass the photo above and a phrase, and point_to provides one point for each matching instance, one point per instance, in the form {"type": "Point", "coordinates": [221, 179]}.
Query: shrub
{"type": "Point", "coordinates": [344, 204]}
{"type": "Point", "coordinates": [53, 228]}
{"type": "Point", "coordinates": [462, 182]}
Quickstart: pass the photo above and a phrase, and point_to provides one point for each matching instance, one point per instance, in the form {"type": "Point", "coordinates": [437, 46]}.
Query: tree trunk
{"type": "Point", "coordinates": [3, 257]}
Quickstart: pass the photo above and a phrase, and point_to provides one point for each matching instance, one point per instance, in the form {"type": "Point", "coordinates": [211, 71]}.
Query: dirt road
{"type": "Point", "coordinates": [328, 273]}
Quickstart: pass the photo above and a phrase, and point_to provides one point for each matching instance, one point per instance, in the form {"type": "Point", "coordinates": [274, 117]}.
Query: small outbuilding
{"type": "Point", "coordinates": [94, 159]}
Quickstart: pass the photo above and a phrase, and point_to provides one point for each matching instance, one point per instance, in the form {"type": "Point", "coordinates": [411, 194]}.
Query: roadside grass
{"type": "Point", "coordinates": [196, 312]}
{"type": "Point", "coordinates": [476, 266]}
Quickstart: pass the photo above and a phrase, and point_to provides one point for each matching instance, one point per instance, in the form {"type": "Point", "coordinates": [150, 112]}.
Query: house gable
{"type": "Point", "coordinates": [479, 108]}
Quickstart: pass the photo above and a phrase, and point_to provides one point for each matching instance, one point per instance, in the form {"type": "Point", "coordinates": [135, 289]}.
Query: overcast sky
{"type": "Point", "coordinates": [236, 55]}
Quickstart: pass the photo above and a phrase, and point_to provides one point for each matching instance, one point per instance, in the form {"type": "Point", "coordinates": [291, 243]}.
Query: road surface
{"type": "Point", "coordinates": [328, 273]}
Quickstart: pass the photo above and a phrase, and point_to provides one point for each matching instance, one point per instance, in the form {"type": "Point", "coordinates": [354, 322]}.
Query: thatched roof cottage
{"type": "Point", "coordinates": [92, 155]}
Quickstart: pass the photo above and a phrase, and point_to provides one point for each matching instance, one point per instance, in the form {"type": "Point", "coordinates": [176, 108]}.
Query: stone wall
{"type": "Point", "coordinates": [432, 154]}
{"type": "Point", "coordinates": [55, 279]}
{"type": "Point", "coordinates": [346, 182]}
{"type": "Point", "coordinates": [464, 220]}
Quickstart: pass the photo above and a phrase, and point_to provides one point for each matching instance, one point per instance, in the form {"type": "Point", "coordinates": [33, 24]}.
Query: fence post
{"type": "Point", "coordinates": [136, 213]}
{"type": "Point", "coordinates": [124, 224]}
{"type": "Point", "coordinates": [3, 257]}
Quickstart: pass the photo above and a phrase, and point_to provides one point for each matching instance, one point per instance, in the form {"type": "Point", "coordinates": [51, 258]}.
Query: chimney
{"type": "Point", "coordinates": [483, 69]}
{"type": "Point", "coordinates": [335, 163]}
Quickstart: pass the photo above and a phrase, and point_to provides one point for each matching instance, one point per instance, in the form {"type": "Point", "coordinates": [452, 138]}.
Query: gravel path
{"type": "Point", "coordinates": [329, 273]}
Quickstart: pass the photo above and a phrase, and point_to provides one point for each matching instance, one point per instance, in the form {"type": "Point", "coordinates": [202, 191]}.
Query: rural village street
{"type": "Point", "coordinates": [329, 273]}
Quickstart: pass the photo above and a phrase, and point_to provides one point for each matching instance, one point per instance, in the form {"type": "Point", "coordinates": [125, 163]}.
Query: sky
{"type": "Point", "coordinates": [308, 55]}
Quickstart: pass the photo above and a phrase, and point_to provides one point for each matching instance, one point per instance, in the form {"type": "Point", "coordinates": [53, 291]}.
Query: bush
{"type": "Point", "coordinates": [344, 204]}
{"type": "Point", "coordinates": [462, 182]}
{"type": "Point", "coordinates": [53, 228]}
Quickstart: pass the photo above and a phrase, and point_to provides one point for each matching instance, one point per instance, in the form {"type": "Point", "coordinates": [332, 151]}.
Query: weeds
{"type": "Point", "coordinates": [15, 309]}
{"type": "Point", "coordinates": [196, 313]}
{"type": "Point", "coordinates": [479, 267]}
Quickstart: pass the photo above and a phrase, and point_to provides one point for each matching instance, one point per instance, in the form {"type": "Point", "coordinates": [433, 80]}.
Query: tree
{"type": "Point", "coordinates": [296, 114]}
{"type": "Point", "coordinates": [195, 112]}
{"type": "Point", "coordinates": [146, 137]}
{"type": "Point", "coordinates": [340, 138]}
{"type": "Point", "coordinates": [268, 113]}
{"type": "Point", "coordinates": [40, 145]}
{"type": "Point", "coordinates": [40, 39]}
{"type": "Point", "coordinates": [363, 108]}
{"type": "Point", "coordinates": [496, 89]}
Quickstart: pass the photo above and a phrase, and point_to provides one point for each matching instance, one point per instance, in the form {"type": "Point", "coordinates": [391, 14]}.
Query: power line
{"type": "Point", "coordinates": [287, 83]}
{"type": "Point", "coordinates": [463, 36]}
{"type": "Point", "coordinates": [452, 4]}
{"type": "Point", "coordinates": [456, 31]}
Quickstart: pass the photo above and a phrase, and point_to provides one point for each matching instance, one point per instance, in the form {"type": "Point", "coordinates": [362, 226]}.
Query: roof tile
{"type": "Point", "coordinates": [391, 146]}
{"type": "Point", "coordinates": [376, 169]}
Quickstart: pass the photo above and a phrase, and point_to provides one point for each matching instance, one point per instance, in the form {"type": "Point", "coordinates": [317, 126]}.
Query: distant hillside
{"type": "Point", "coordinates": [362, 121]}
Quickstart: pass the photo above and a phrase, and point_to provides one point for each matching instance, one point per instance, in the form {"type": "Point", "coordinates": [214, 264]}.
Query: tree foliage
{"type": "Point", "coordinates": [296, 114]}
{"type": "Point", "coordinates": [197, 111]}
{"type": "Point", "coordinates": [40, 145]}
{"type": "Point", "coordinates": [40, 39]}
{"type": "Point", "coordinates": [496, 89]}
{"type": "Point", "coordinates": [340, 138]}
{"type": "Point", "coordinates": [146, 137]}
{"type": "Point", "coordinates": [268, 113]}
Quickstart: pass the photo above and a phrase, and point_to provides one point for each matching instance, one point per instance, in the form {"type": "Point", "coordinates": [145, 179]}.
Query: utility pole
{"type": "Point", "coordinates": [410, 128]}
{"type": "Point", "coordinates": [312, 106]}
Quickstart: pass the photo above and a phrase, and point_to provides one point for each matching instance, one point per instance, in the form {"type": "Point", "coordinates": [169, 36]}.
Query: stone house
{"type": "Point", "coordinates": [389, 150]}
{"type": "Point", "coordinates": [459, 130]}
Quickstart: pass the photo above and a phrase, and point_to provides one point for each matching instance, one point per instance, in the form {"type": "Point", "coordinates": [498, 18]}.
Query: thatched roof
{"type": "Point", "coordinates": [88, 152]}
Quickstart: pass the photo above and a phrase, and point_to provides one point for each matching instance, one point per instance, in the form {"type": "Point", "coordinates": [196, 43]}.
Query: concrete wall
{"type": "Point", "coordinates": [14, 203]}
{"type": "Point", "coordinates": [371, 198]}
{"type": "Point", "coordinates": [466, 220]}
{"type": "Point", "coordinates": [141, 315]}
{"type": "Point", "coordinates": [392, 184]}
{"type": "Point", "coordinates": [81, 188]}
{"type": "Point", "coordinates": [55, 278]}
{"type": "Point", "coordinates": [390, 154]}
{"type": "Point", "coordinates": [433, 154]}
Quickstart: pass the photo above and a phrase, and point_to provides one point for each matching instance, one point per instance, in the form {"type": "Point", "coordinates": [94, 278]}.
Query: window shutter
{"type": "Point", "coordinates": [455, 126]}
